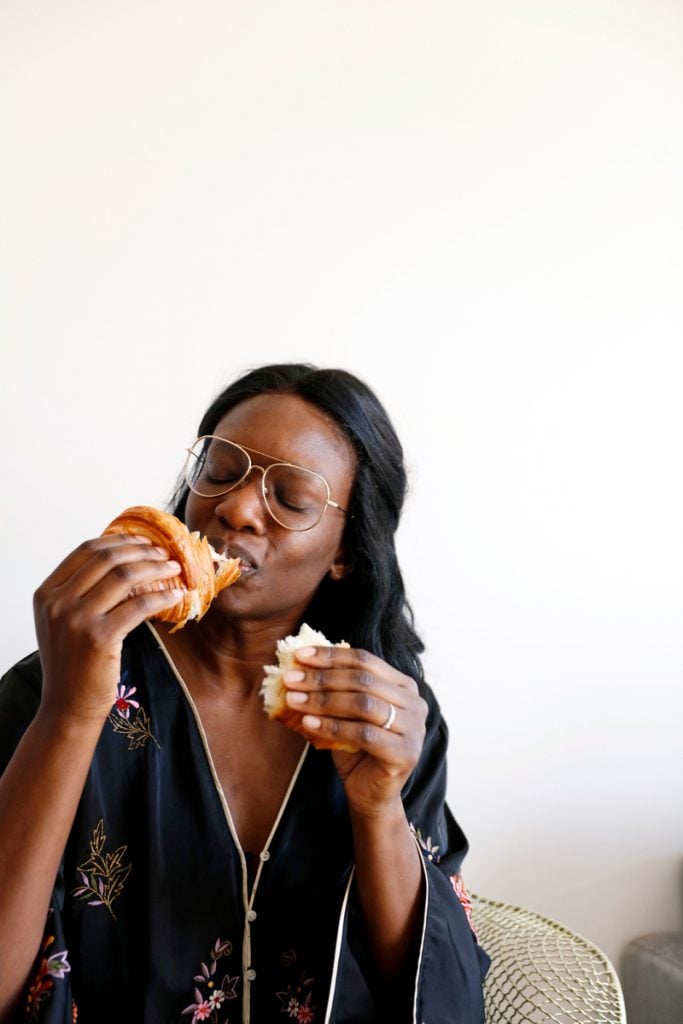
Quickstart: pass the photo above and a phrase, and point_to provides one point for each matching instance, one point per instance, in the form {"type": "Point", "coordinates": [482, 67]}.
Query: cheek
{"type": "Point", "coordinates": [196, 511]}
{"type": "Point", "coordinates": [310, 557]}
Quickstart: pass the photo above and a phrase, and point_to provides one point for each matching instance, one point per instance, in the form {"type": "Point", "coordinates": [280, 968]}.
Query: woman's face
{"type": "Point", "coordinates": [281, 569]}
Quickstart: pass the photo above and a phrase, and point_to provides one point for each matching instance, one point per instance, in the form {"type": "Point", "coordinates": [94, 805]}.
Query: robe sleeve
{"type": "Point", "coordinates": [450, 964]}
{"type": "Point", "coordinates": [47, 998]}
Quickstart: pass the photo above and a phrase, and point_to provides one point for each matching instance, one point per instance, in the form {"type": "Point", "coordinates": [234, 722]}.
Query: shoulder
{"type": "Point", "coordinates": [436, 727]}
{"type": "Point", "coordinates": [20, 690]}
{"type": "Point", "coordinates": [23, 679]}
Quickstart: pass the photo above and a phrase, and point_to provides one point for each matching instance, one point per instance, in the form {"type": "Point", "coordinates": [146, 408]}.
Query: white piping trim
{"type": "Point", "coordinates": [337, 948]}
{"type": "Point", "coordinates": [424, 927]}
{"type": "Point", "coordinates": [247, 899]}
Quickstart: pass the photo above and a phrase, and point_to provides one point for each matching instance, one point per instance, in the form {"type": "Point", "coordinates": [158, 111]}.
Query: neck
{"type": "Point", "coordinates": [226, 655]}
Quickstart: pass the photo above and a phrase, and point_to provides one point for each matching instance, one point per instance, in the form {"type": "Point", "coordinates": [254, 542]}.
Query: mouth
{"type": "Point", "coordinates": [247, 563]}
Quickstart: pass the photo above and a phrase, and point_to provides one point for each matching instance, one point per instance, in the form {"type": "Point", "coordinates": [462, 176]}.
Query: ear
{"type": "Point", "coordinates": [341, 566]}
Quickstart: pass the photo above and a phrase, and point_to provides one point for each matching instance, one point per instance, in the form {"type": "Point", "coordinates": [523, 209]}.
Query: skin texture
{"type": "Point", "coordinates": [82, 615]}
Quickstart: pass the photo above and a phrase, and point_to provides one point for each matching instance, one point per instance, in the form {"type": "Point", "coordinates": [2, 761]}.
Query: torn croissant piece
{"type": "Point", "coordinates": [203, 571]}
{"type": "Point", "coordinates": [274, 691]}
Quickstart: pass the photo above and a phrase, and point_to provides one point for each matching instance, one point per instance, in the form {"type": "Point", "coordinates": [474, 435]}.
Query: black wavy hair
{"type": "Point", "coordinates": [368, 607]}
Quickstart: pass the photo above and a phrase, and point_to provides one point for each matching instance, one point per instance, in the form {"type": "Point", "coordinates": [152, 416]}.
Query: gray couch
{"type": "Point", "coordinates": [652, 979]}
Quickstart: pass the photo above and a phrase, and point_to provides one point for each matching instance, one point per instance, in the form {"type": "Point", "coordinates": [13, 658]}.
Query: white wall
{"type": "Point", "coordinates": [476, 207]}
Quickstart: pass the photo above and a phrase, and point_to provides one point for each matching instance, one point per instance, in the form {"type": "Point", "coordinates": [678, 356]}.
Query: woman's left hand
{"type": "Point", "coordinates": [346, 695]}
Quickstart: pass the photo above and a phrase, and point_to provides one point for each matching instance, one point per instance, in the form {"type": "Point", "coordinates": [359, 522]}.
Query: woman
{"type": "Point", "coordinates": [211, 864]}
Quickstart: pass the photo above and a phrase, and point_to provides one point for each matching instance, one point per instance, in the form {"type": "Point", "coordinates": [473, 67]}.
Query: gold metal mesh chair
{"type": "Point", "coordinates": [541, 971]}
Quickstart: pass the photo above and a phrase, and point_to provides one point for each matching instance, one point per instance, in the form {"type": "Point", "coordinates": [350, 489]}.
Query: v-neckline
{"type": "Point", "coordinates": [264, 854]}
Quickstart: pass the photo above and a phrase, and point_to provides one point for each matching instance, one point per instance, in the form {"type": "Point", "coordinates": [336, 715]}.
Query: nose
{"type": "Point", "coordinates": [243, 507]}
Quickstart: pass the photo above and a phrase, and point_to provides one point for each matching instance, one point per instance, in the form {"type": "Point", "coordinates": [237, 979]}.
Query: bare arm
{"type": "Point", "coordinates": [83, 612]}
{"type": "Point", "coordinates": [390, 884]}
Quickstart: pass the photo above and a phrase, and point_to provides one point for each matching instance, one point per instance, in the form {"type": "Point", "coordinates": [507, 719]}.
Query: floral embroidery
{"type": "Point", "coordinates": [464, 897]}
{"type": "Point", "coordinates": [296, 1002]}
{"type": "Point", "coordinates": [138, 727]}
{"type": "Point", "coordinates": [208, 998]}
{"type": "Point", "coordinates": [52, 966]}
{"type": "Point", "coordinates": [431, 852]}
{"type": "Point", "coordinates": [123, 702]}
{"type": "Point", "coordinates": [103, 874]}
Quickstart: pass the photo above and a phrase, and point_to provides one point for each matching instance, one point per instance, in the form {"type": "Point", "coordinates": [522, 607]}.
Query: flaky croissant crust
{"type": "Point", "coordinates": [203, 573]}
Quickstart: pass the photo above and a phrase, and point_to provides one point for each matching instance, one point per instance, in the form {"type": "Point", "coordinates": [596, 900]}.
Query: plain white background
{"type": "Point", "coordinates": [478, 209]}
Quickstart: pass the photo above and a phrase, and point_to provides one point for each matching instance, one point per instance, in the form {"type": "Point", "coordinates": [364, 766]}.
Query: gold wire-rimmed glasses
{"type": "Point", "coordinates": [295, 497]}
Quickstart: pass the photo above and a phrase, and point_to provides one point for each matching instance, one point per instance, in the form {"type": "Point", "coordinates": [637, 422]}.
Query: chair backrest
{"type": "Point", "coordinates": [541, 971]}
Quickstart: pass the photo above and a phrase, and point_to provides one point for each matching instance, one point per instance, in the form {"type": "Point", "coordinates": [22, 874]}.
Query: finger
{"type": "Point", "coordinates": [120, 561]}
{"type": "Point", "coordinates": [351, 706]}
{"type": "Point", "coordinates": [123, 581]}
{"type": "Point", "coordinates": [137, 609]}
{"type": "Point", "coordinates": [85, 551]}
{"type": "Point", "coordinates": [380, 743]}
{"type": "Point", "coordinates": [353, 659]}
{"type": "Point", "coordinates": [358, 680]}
{"type": "Point", "coordinates": [368, 691]}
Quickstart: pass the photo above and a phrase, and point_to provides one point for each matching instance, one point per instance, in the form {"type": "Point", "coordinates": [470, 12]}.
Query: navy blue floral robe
{"type": "Point", "coordinates": [157, 916]}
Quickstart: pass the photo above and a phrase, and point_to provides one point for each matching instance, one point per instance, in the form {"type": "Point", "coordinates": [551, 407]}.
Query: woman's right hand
{"type": "Point", "coordinates": [83, 611]}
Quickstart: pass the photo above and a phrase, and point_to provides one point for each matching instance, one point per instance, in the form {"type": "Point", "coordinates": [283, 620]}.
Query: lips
{"type": "Point", "coordinates": [247, 561]}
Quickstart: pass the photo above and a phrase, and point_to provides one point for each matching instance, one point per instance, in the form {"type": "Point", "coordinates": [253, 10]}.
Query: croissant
{"type": "Point", "coordinates": [203, 573]}
{"type": "Point", "coordinates": [274, 691]}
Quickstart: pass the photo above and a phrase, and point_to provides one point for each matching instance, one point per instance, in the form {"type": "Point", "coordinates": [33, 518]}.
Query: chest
{"type": "Point", "coordinates": [254, 760]}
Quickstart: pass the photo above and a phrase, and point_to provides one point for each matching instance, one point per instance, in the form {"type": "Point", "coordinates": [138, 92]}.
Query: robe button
{"type": "Point", "coordinates": [264, 855]}
{"type": "Point", "coordinates": [251, 974]}
{"type": "Point", "coordinates": [251, 915]}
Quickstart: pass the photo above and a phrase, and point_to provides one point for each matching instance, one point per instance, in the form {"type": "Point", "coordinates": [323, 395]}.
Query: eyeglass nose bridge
{"type": "Point", "coordinates": [245, 479]}
{"type": "Point", "coordinates": [261, 486]}
{"type": "Point", "coordinates": [263, 490]}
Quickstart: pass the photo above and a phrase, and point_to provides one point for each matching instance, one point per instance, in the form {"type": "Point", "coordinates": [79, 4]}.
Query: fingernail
{"type": "Point", "coordinates": [306, 652]}
{"type": "Point", "coordinates": [311, 722]}
{"type": "Point", "coordinates": [172, 565]}
{"type": "Point", "coordinates": [161, 551]}
{"type": "Point", "coordinates": [293, 675]}
{"type": "Point", "coordinates": [296, 697]}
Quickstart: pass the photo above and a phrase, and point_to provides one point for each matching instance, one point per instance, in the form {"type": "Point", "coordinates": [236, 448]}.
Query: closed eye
{"type": "Point", "coordinates": [288, 501]}
{"type": "Point", "coordinates": [224, 478]}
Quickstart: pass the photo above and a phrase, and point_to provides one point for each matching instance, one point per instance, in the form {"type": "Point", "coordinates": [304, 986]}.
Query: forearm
{"type": "Point", "coordinates": [39, 795]}
{"type": "Point", "coordinates": [390, 885]}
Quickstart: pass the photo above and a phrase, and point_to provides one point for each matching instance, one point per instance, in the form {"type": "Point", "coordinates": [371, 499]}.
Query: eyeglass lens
{"type": "Point", "coordinates": [295, 497]}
